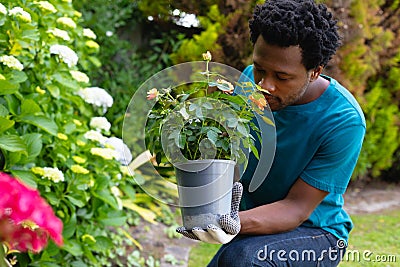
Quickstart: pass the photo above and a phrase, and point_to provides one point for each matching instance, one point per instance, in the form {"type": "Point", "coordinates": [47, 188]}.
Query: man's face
{"type": "Point", "coordinates": [279, 71]}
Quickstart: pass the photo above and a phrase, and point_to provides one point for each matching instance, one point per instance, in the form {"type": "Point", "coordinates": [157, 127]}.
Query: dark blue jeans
{"type": "Point", "coordinates": [301, 247]}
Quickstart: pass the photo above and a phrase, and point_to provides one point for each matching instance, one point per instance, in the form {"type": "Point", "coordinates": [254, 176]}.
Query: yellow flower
{"type": "Point", "coordinates": [77, 122]}
{"type": "Point", "coordinates": [207, 56]}
{"type": "Point", "coordinates": [79, 169]}
{"type": "Point", "coordinates": [77, 14]}
{"type": "Point", "coordinates": [88, 238]}
{"type": "Point", "coordinates": [67, 22]}
{"type": "Point", "coordinates": [62, 136]}
{"type": "Point", "coordinates": [89, 33]}
{"type": "Point", "coordinates": [78, 159]}
{"type": "Point", "coordinates": [80, 143]}
{"type": "Point", "coordinates": [92, 44]}
{"type": "Point", "coordinates": [40, 90]}
{"type": "Point", "coordinates": [79, 76]}
{"type": "Point", "coordinates": [60, 34]}
{"type": "Point", "coordinates": [105, 153]}
{"type": "Point", "coordinates": [38, 170]}
{"type": "Point", "coordinates": [46, 6]}
{"type": "Point", "coordinates": [2, 77]}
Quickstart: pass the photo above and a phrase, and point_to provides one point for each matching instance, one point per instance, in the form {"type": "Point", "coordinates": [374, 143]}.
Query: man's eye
{"type": "Point", "coordinates": [282, 78]}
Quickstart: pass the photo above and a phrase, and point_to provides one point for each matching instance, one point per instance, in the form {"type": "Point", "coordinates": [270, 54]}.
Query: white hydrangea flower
{"type": "Point", "coordinates": [11, 62]}
{"type": "Point", "coordinates": [79, 76]}
{"type": "Point", "coordinates": [53, 174]}
{"type": "Point", "coordinates": [20, 13]}
{"type": "Point", "coordinates": [46, 6]}
{"type": "Point", "coordinates": [100, 123]}
{"type": "Point", "coordinates": [65, 53]}
{"type": "Point", "coordinates": [3, 9]}
{"type": "Point", "coordinates": [95, 136]}
{"type": "Point", "coordinates": [60, 34]}
{"type": "Point", "coordinates": [68, 22]}
{"type": "Point", "coordinates": [123, 153]}
{"type": "Point", "coordinates": [89, 33]}
{"type": "Point", "coordinates": [96, 96]}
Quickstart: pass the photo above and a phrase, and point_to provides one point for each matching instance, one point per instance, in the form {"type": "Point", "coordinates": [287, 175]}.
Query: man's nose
{"type": "Point", "coordinates": [267, 84]}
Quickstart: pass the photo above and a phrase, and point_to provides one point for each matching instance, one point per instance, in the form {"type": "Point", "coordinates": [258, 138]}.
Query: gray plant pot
{"type": "Point", "coordinates": [205, 190]}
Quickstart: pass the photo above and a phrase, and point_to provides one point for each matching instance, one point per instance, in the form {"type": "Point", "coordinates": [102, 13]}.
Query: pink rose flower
{"type": "Point", "coordinates": [26, 219]}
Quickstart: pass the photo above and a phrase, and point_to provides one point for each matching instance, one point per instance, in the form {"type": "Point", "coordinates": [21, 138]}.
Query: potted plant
{"type": "Point", "coordinates": [204, 128]}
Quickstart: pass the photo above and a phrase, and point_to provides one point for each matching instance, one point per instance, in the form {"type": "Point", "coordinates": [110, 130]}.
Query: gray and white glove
{"type": "Point", "coordinates": [230, 223]}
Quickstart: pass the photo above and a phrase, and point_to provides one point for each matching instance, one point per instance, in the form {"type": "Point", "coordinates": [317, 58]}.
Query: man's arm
{"type": "Point", "coordinates": [283, 215]}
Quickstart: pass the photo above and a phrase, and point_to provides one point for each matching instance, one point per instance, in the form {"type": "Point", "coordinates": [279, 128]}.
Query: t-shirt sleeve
{"type": "Point", "coordinates": [331, 168]}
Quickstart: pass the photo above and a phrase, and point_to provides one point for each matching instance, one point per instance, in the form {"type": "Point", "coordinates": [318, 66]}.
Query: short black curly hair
{"type": "Point", "coordinates": [297, 22]}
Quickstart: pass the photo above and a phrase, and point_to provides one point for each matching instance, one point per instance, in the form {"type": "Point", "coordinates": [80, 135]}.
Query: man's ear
{"type": "Point", "coordinates": [315, 73]}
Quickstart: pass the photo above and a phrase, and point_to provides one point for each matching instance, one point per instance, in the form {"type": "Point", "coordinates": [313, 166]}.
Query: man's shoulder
{"type": "Point", "coordinates": [347, 101]}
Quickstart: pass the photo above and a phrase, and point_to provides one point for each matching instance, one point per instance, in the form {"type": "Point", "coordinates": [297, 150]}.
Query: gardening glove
{"type": "Point", "coordinates": [230, 223]}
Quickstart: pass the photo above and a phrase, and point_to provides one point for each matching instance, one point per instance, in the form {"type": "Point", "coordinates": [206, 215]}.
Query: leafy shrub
{"type": "Point", "coordinates": [53, 134]}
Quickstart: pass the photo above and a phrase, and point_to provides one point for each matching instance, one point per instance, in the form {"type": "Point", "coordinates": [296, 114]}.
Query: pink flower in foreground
{"type": "Point", "coordinates": [26, 220]}
{"type": "Point", "coordinates": [151, 94]}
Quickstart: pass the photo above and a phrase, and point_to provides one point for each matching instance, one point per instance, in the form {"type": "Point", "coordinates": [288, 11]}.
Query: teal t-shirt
{"type": "Point", "coordinates": [319, 142]}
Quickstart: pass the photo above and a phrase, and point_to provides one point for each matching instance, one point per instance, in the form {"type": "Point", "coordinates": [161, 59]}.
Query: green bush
{"type": "Point", "coordinates": [54, 136]}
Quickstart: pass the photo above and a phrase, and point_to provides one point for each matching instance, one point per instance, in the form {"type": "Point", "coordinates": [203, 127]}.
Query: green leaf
{"type": "Point", "coordinates": [95, 61]}
{"type": "Point", "coordinates": [69, 227]}
{"type": "Point", "coordinates": [34, 144]}
{"type": "Point", "coordinates": [73, 247]}
{"type": "Point", "coordinates": [5, 124]}
{"type": "Point", "coordinates": [12, 143]}
{"type": "Point", "coordinates": [182, 141]}
{"type": "Point", "coordinates": [31, 34]}
{"type": "Point", "coordinates": [3, 111]}
{"type": "Point", "coordinates": [29, 106]}
{"type": "Point", "coordinates": [18, 76]}
{"type": "Point", "coordinates": [76, 202]}
{"type": "Point", "coordinates": [13, 104]}
{"type": "Point", "coordinates": [8, 88]}
{"type": "Point", "coordinates": [42, 122]}
{"type": "Point", "coordinates": [255, 151]}
{"type": "Point", "coordinates": [26, 176]}
{"type": "Point", "coordinates": [54, 90]}
{"type": "Point", "coordinates": [129, 191]}
{"type": "Point", "coordinates": [232, 122]}
{"type": "Point", "coordinates": [65, 80]}
{"type": "Point", "coordinates": [107, 198]}
{"type": "Point", "coordinates": [212, 136]}
{"type": "Point", "coordinates": [242, 129]}
{"type": "Point", "coordinates": [113, 221]}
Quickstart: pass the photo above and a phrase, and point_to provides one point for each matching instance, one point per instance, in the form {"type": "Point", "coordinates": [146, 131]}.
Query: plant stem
{"type": "Point", "coordinates": [3, 261]}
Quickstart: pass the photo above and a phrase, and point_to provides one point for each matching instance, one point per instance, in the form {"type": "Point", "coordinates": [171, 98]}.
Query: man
{"type": "Point", "coordinates": [296, 216]}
